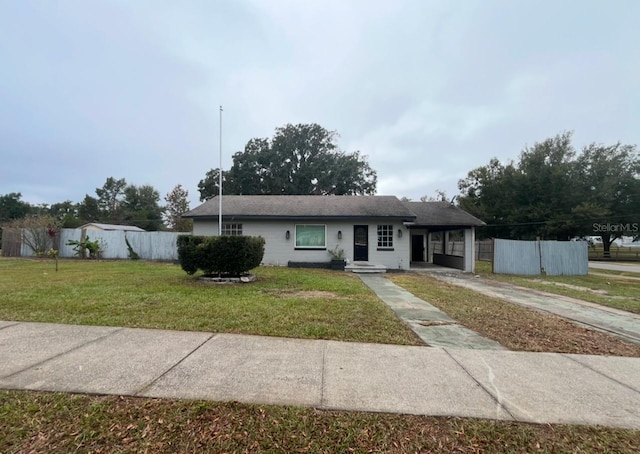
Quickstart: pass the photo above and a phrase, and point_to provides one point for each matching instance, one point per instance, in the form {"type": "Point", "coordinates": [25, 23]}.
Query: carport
{"type": "Point", "coordinates": [442, 234]}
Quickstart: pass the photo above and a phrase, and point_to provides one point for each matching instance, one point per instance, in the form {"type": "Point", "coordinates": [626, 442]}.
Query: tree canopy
{"type": "Point", "coordinates": [299, 159]}
{"type": "Point", "coordinates": [12, 207]}
{"type": "Point", "coordinates": [140, 207]}
{"type": "Point", "coordinates": [554, 192]}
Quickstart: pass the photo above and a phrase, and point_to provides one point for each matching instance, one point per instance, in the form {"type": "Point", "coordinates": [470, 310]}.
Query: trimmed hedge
{"type": "Point", "coordinates": [228, 255]}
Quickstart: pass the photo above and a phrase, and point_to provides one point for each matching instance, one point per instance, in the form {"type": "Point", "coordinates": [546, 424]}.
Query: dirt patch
{"type": "Point", "coordinates": [305, 294]}
{"type": "Point", "coordinates": [573, 287]}
{"type": "Point", "coordinates": [435, 323]}
{"type": "Point", "coordinates": [214, 279]}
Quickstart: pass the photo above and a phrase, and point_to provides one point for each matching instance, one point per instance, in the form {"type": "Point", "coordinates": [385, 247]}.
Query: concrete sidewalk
{"type": "Point", "coordinates": [532, 387]}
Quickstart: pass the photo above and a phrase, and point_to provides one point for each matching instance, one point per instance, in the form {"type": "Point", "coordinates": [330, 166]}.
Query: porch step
{"type": "Point", "coordinates": [365, 268]}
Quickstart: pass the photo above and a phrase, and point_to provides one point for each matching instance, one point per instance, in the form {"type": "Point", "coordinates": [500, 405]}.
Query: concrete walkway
{"type": "Point", "coordinates": [625, 325]}
{"type": "Point", "coordinates": [432, 325]}
{"type": "Point", "coordinates": [532, 387]}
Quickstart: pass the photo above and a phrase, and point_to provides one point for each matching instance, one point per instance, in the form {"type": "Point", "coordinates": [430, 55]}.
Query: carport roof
{"type": "Point", "coordinates": [441, 214]}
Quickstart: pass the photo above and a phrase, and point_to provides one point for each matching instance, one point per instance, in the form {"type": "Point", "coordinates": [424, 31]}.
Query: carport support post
{"type": "Point", "coordinates": [469, 251]}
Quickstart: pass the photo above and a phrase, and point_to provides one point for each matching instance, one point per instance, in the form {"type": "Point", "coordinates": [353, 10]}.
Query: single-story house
{"type": "Point", "coordinates": [111, 227]}
{"type": "Point", "coordinates": [375, 229]}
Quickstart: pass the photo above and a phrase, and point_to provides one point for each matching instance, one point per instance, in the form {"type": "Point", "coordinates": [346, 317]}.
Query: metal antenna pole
{"type": "Point", "coordinates": [220, 174]}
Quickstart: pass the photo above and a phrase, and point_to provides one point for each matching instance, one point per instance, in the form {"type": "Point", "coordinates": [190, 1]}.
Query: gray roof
{"type": "Point", "coordinates": [434, 214]}
{"type": "Point", "coordinates": [303, 206]}
{"type": "Point", "coordinates": [128, 228]}
{"type": "Point", "coordinates": [442, 214]}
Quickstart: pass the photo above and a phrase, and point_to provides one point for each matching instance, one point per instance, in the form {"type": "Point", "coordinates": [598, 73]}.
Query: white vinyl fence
{"type": "Point", "coordinates": [553, 258]}
{"type": "Point", "coordinates": [148, 245]}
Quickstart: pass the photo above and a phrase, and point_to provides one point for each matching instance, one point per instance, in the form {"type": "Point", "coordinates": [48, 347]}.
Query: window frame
{"type": "Point", "coordinates": [231, 229]}
{"type": "Point", "coordinates": [385, 237]}
{"type": "Point", "coordinates": [309, 248]}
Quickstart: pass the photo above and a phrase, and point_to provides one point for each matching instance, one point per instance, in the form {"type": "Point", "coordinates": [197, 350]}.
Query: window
{"type": "Point", "coordinates": [311, 236]}
{"type": "Point", "coordinates": [232, 229]}
{"type": "Point", "coordinates": [385, 236]}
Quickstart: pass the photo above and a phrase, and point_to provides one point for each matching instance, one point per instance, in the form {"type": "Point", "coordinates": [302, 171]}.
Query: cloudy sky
{"type": "Point", "coordinates": [427, 89]}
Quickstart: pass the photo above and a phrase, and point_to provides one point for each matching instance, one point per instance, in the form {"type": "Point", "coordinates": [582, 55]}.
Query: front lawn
{"type": "Point", "coordinates": [314, 304]}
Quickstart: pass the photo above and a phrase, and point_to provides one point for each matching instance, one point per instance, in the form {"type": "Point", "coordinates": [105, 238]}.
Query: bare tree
{"type": "Point", "coordinates": [441, 196]}
{"type": "Point", "coordinates": [177, 205]}
{"type": "Point", "coordinates": [39, 232]}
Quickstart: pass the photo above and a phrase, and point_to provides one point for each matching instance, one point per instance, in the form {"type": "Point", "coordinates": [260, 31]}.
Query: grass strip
{"type": "Point", "coordinates": [61, 423]}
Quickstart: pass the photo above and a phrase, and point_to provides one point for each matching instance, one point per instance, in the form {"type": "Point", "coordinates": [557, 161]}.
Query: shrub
{"type": "Point", "coordinates": [229, 255]}
{"type": "Point", "coordinates": [188, 253]}
{"type": "Point", "coordinates": [95, 248]}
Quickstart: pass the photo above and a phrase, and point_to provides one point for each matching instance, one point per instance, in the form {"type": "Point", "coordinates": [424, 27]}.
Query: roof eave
{"type": "Point", "coordinates": [295, 218]}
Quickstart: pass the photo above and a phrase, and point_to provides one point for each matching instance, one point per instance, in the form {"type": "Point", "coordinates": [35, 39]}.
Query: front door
{"type": "Point", "coordinates": [360, 243]}
{"type": "Point", "coordinates": [417, 248]}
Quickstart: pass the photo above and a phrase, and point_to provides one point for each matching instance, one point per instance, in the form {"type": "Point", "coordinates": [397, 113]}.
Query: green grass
{"type": "Point", "coordinates": [617, 293]}
{"type": "Point", "coordinates": [316, 304]}
{"type": "Point", "coordinates": [61, 423]}
{"type": "Point", "coordinates": [616, 252]}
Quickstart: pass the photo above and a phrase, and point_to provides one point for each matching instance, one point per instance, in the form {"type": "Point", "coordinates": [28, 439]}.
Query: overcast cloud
{"type": "Point", "coordinates": [428, 90]}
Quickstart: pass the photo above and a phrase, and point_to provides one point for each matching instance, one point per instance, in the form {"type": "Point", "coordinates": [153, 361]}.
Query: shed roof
{"type": "Point", "coordinates": [303, 206]}
{"type": "Point", "coordinates": [128, 228]}
{"type": "Point", "coordinates": [441, 214]}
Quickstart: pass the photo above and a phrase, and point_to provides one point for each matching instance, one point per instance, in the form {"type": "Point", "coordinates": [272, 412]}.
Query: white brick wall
{"type": "Point", "coordinates": [279, 250]}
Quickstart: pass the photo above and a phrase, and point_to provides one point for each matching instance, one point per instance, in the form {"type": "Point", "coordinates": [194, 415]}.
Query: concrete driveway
{"type": "Point", "coordinates": [622, 324]}
{"type": "Point", "coordinates": [630, 267]}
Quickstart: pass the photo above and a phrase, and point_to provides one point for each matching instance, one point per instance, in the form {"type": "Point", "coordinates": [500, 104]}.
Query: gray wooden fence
{"type": "Point", "coordinates": [484, 250]}
{"type": "Point", "coordinates": [148, 245]}
{"type": "Point", "coordinates": [553, 258]}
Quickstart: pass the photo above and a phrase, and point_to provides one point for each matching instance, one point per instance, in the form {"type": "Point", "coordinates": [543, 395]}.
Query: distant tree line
{"type": "Point", "coordinates": [554, 192]}
{"type": "Point", "coordinates": [116, 202]}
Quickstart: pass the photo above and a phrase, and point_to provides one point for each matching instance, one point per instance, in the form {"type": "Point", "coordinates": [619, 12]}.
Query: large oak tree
{"type": "Point", "coordinates": [299, 159]}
